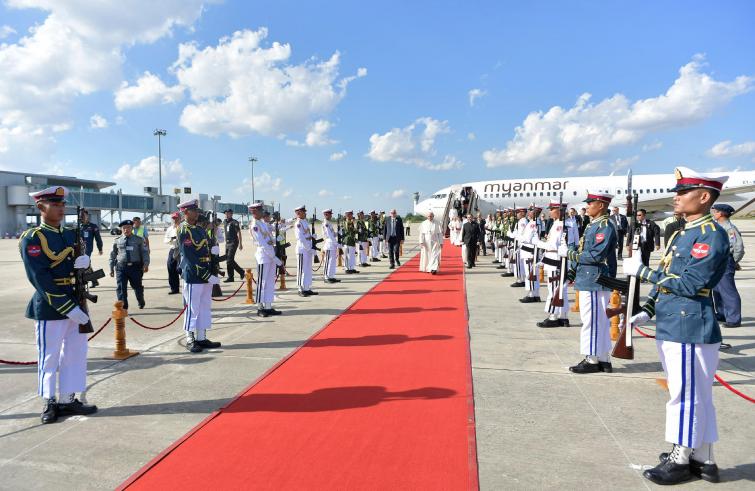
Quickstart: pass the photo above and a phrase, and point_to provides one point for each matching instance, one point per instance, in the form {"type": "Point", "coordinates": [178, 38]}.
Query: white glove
{"type": "Point", "coordinates": [541, 244]}
{"type": "Point", "coordinates": [213, 280]}
{"type": "Point", "coordinates": [632, 265]}
{"type": "Point", "coordinates": [563, 251]}
{"type": "Point", "coordinates": [640, 318]}
{"type": "Point", "coordinates": [78, 316]}
{"type": "Point", "coordinates": [81, 262]}
{"type": "Point", "coordinates": [215, 250]}
{"type": "Point", "coordinates": [278, 262]}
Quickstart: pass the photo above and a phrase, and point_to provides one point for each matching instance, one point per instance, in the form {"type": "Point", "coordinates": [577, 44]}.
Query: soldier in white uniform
{"type": "Point", "coordinates": [527, 240]}
{"type": "Point", "coordinates": [557, 314]}
{"type": "Point", "coordinates": [267, 263]}
{"type": "Point", "coordinates": [518, 233]}
{"type": "Point", "coordinates": [329, 248]}
{"type": "Point", "coordinates": [305, 253]}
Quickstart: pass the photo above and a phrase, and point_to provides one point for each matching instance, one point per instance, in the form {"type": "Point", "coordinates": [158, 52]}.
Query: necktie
{"type": "Point", "coordinates": [128, 252]}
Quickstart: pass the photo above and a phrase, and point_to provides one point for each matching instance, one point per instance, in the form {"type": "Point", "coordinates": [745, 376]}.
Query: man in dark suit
{"type": "Point", "coordinates": [650, 236]}
{"type": "Point", "coordinates": [481, 237]}
{"type": "Point", "coordinates": [394, 236]}
{"type": "Point", "coordinates": [620, 222]}
{"type": "Point", "coordinates": [470, 233]}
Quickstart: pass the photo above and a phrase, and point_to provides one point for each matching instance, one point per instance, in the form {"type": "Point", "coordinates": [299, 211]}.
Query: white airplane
{"type": "Point", "coordinates": [652, 189]}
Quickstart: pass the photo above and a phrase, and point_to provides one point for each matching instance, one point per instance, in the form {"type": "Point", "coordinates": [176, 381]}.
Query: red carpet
{"type": "Point", "coordinates": [381, 398]}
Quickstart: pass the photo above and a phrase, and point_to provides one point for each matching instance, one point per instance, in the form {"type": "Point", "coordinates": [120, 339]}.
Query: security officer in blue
{"type": "Point", "coordinates": [47, 252]}
{"type": "Point", "coordinates": [596, 256]}
{"type": "Point", "coordinates": [726, 299]}
{"type": "Point", "coordinates": [90, 233]}
{"type": "Point", "coordinates": [129, 260]}
{"type": "Point", "coordinates": [687, 334]}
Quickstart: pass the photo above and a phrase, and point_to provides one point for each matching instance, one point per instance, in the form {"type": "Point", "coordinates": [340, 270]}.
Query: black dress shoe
{"type": "Point", "coordinates": [605, 366]}
{"type": "Point", "coordinates": [141, 306]}
{"type": "Point", "coordinates": [173, 293]}
{"type": "Point", "coordinates": [207, 344]}
{"type": "Point", "coordinates": [507, 275]}
{"type": "Point", "coordinates": [228, 280]}
{"type": "Point", "coordinates": [668, 472]}
{"type": "Point", "coordinates": [564, 322]}
{"type": "Point", "coordinates": [310, 292]}
{"type": "Point", "coordinates": [50, 412]}
{"type": "Point", "coordinates": [365, 265]}
{"type": "Point", "coordinates": [549, 323]}
{"type": "Point", "coordinates": [398, 263]}
{"type": "Point", "coordinates": [274, 312]}
{"type": "Point", "coordinates": [518, 284]}
{"type": "Point", "coordinates": [349, 271]}
{"type": "Point", "coordinates": [384, 256]}
{"type": "Point", "coordinates": [391, 266]}
{"type": "Point", "coordinates": [355, 271]}
{"type": "Point", "coordinates": [529, 299]}
{"type": "Point", "coordinates": [732, 324]}
{"type": "Point", "coordinates": [194, 347]}
{"type": "Point", "coordinates": [304, 294]}
{"type": "Point", "coordinates": [496, 261]}
{"type": "Point", "coordinates": [433, 272]}
{"type": "Point", "coordinates": [585, 366]}
{"type": "Point", "coordinates": [706, 472]}
{"type": "Point", "coordinates": [76, 408]}
{"type": "Point", "coordinates": [500, 267]}
{"type": "Point", "coordinates": [263, 313]}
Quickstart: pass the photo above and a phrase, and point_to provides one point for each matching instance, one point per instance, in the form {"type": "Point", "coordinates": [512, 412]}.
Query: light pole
{"type": "Point", "coordinates": [160, 133]}
{"type": "Point", "coordinates": [252, 160]}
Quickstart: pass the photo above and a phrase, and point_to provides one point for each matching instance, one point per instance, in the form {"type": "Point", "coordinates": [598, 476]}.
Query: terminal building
{"type": "Point", "coordinates": [106, 205]}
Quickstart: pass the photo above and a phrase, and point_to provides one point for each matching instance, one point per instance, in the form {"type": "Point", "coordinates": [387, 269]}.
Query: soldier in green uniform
{"type": "Point", "coordinates": [350, 242]}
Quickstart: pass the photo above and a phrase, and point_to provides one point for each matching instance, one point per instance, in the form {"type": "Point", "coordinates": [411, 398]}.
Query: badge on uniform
{"type": "Point", "coordinates": [33, 250]}
{"type": "Point", "coordinates": [599, 237]}
{"type": "Point", "coordinates": [700, 250]}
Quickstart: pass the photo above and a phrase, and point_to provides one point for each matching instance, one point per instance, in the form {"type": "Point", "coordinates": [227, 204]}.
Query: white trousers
{"type": "Point", "coordinates": [363, 252]}
{"type": "Point", "coordinates": [384, 247]}
{"type": "Point", "coordinates": [533, 286]}
{"type": "Point", "coordinates": [375, 247]}
{"type": "Point", "coordinates": [331, 260]}
{"type": "Point", "coordinates": [595, 338]}
{"type": "Point", "coordinates": [690, 370]}
{"type": "Point", "coordinates": [304, 270]}
{"type": "Point", "coordinates": [198, 301]}
{"type": "Point", "coordinates": [519, 269]}
{"type": "Point", "coordinates": [265, 291]}
{"type": "Point", "coordinates": [349, 257]}
{"type": "Point", "coordinates": [553, 277]}
{"type": "Point", "coordinates": [61, 353]}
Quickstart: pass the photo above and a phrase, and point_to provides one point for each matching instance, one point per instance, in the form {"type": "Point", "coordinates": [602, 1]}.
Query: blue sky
{"type": "Point", "coordinates": [669, 83]}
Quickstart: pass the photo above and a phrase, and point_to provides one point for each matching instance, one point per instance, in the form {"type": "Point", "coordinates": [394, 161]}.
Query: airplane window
{"type": "Point", "coordinates": [655, 190]}
{"type": "Point", "coordinates": [575, 193]}
{"type": "Point", "coordinates": [497, 195]}
{"type": "Point", "coordinates": [528, 195]}
{"type": "Point", "coordinates": [541, 193]}
{"type": "Point", "coordinates": [640, 191]}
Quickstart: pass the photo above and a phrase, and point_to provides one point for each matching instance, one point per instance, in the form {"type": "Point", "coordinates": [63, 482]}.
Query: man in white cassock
{"type": "Point", "coordinates": [430, 243]}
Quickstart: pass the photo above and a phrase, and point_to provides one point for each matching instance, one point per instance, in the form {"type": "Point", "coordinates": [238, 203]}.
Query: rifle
{"type": "Point", "coordinates": [280, 249]}
{"type": "Point", "coordinates": [629, 287]}
{"type": "Point", "coordinates": [557, 300]}
{"type": "Point", "coordinates": [215, 260]}
{"type": "Point", "coordinates": [339, 234]}
{"type": "Point", "coordinates": [82, 278]}
{"type": "Point", "coordinates": [312, 234]}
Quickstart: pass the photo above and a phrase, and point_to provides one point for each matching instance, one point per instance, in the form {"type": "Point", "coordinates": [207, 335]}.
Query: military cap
{"type": "Point", "coordinates": [228, 210]}
{"type": "Point", "coordinates": [556, 204]}
{"type": "Point", "coordinates": [328, 210]}
{"type": "Point", "coordinates": [255, 206]}
{"type": "Point", "coordinates": [126, 222]}
{"type": "Point", "coordinates": [689, 179]}
{"type": "Point", "coordinates": [300, 208]}
{"type": "Point", "coordinates": [53, 194]}
{"type": "Point", "coordinates": [348, 211]}
{"type": "Point", "coordinates": [723, 208]}
{"type": "Point", "coordinates": [598, 196]}
{"type": "Point", "coordinates": [192, 204]}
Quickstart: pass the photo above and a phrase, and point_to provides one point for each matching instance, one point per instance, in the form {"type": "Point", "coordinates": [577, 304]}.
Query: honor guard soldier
{"type": "Point", "coordinates": [90, 233]}
{"type": "Point", "coordinates": [174, 256]}
{"type": "Point", "coordinates": [329, 248]}
{"type": "Point", "coordinates": [374, 231]}
{"type": "Point", "coordinates": [518, 233]}
{"type": "Point", "coordinates": [349, 243]}
{"type": "Point", "coordinates": [687, 334]}
{"type": "Point", "coordinates": [726, 299]}
{"type": "Point", "coordinates": [193, 244]}
{"type": "Point", "coordinates": [47, 252]}
{"type": "Point", "coordinates": [557, 314]}
{"type": "Point", "coordinates": [363, 238]}
{"type": "Point", "coordinates": [233, 242]}
{"type": "Point", "coordinates": [263, 235]}
{"type": "Point", "coordinates": [129, 260]}
{"type": "Point", "coordinates": [595, 256]}
{"type": "Point", "coordinates": [305, 253]}
{"type": "Point", "coordinates": [527, 241]}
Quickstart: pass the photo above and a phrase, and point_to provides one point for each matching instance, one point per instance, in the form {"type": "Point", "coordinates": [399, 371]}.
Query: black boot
{"type": "Point", "coordinates": [549, 323]}
{"type": "Point", "coordinates": [50, 412]}
{"type": "Point", "coordinates": [272, 311]}
{"type": "Point", "coordinates": [706, 472]}
{"type": "Point", "coordinates": [194, 347]}
{"type": "Point", "coordinates": [669, 471]}
{"type": "Point", "coordinates": [263, 313]}
{"type": "Point", "coordinates": [507, 275]}
{"type": "Point", "coordinates": [585, 366]}
{"type": "Point", "coordinates": [518, 284]}
{"type": "Point", "coordinates": [206, 343]}
{"type": "Point", "coordinates": [75, 408]}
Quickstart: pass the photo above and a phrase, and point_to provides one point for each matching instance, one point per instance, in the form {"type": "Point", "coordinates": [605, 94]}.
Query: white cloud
{"type": "Point", "coordinates": [649, 147]}
{"type": "Point", "coordinates": [97, 122]}
{"type": "Point", "coordinates": [148, 90]}
{"type": "Point", "coordinates": [324, 192]}
{"type": "Point", "coordinates": [622, 163]}
{"type": "Point", "coordinates": [475, 94]}
{"type": "Point", "coordinates": [588, 130]}
{"type": "Point", "coordinates": [262, 182]}
{"type": "Point", "coordinates": [317, 135]}
{"type": "Point", "coordinates": [398, 193]}
{"type": "Point", "coordinates": [6, 31]}
{"type": "Point", "coordinates": [726, 149]}
{"type": "Point", "coordinates": [241, 87]}
{"type": "Point", "coordinates": [145, 173]}
{"type": "Point", "coordinates": [338, 155]}
{"type": "Point", "coordinates": [471, 136]}
{"type": "Point", "coordinates": [346, 197]}
{"type": "Point", "coordinates": [413, 144]}
{"type": "Point", "coordinates": [287, 192]}
{"type": "Point", "coordinates": [78, 49]}
{"type": "Point", "coordinates": [590, 166]}
{"type": "Point", "coordinates": [723, 168]}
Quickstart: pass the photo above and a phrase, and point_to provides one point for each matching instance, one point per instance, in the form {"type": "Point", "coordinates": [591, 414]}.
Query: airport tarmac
{"type": "Point", "coordinates": [538, 426]}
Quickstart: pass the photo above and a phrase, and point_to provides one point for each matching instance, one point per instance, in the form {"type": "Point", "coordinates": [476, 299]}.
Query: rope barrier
{"type": "Point", "coordinates": [10, 362]}
{"type": "Point", "coordinates": [230, 296]}
{"type": "Point", "coordinates": [719, 379]}
{"type": "Point", "coordinates": [161, 327]}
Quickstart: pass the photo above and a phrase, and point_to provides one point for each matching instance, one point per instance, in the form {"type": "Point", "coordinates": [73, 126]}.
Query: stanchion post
{"type": "Point", "coordinates": [613, 303]}
{"type": "Point", "coordinates": [575, 307]}
{"type": "Point", "coordinates": [249, 292]}
{"type": "Point", "coordinates": [542, 275]}
{"type": "Point", "coordinates": [282, 285]}
{"type": "Point", "coordinates": [340, 257]}
{"type": "Point", "coordinates": [119, 315]}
